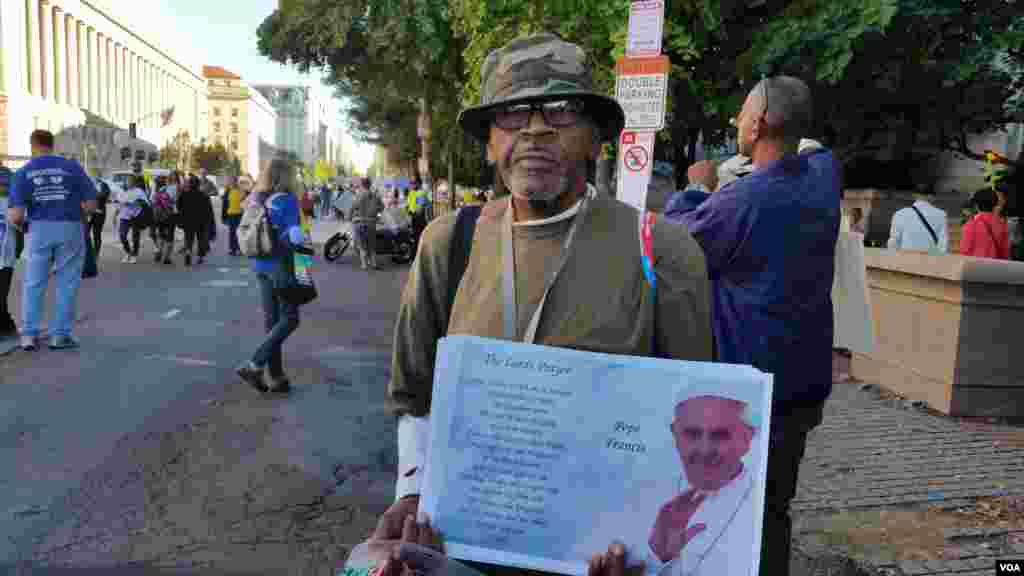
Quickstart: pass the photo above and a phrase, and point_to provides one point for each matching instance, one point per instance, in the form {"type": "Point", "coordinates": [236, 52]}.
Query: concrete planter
{"type": "Point", "coordinates": [947, 331]}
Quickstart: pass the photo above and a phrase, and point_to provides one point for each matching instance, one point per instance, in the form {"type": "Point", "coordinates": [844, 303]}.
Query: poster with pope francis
{"type": "Point", "coordinates": [541, 457]}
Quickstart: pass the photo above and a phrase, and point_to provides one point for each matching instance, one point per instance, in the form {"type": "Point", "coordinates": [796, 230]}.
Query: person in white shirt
{"type": "Point", "coordinates": [131, 203]}
{"type": "Point", "coordinates": [920, 227]}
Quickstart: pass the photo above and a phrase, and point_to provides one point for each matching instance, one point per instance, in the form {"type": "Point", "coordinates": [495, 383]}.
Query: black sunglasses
{"type": "Point", "coordinates": [557, 114]}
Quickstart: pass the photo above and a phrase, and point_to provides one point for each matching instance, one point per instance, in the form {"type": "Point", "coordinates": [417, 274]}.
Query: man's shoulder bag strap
{"type": "Point", "coordinates": [458, 254]}
{"type": "Point", "coordinates": [935, 237]}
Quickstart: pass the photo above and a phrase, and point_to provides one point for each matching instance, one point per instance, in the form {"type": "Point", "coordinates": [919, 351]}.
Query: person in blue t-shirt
{"type": "Point", "coordinates": [276, 191]}
{"type": "Point", "coordinates": [769, 240]}
{"type": "Point", "coordinates": [55, 197]}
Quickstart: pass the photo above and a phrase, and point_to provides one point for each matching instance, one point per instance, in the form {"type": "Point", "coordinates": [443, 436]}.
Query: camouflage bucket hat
{"type": "Point", "coordinates": [537, 68]}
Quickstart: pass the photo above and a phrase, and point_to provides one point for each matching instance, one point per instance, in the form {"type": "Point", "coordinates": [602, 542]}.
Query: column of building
{"type": "Point", "coordinates": [34, 50]}
{"type": "Point", "coordinates": [91, 91]}
{"type": "Point", "coordinates": [45, 56]}
{"type": "Point", "coordinates": [74, 61]}
{"type": "Point", "coordinates": [101, 74]}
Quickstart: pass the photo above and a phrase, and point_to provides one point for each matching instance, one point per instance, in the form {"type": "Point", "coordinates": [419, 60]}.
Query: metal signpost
{"type": "Point", "coordinates": [641, 87]}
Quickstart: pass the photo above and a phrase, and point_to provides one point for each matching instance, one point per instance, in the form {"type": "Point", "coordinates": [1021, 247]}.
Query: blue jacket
{"type": "Point", "coordinates": [283, 213]}
{"type": "Point", "coordinates": [769, 241]}
{"type": "Point", "coordinates": [681, 202]}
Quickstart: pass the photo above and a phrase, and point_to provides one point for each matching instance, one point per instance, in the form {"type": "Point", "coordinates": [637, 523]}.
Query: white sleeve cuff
{"type": "Point", "coordinates": [413, 438]}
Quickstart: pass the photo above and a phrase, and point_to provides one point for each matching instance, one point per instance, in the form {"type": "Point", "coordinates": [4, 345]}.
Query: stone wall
{"type": "Point", "coordinates": [947, 330]}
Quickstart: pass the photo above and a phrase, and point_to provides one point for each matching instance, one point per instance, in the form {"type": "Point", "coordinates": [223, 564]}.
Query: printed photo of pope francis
{"type": "Point", "coordinates": [708, 525]}
{"type": "Point", "coordinates": [705, 520]}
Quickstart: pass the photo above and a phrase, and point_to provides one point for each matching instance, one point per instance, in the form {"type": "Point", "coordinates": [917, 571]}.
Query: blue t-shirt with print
{"type": "Point", "coordinates": [52, 189]}
{"type": "Point", "coordinates": [283, 213]}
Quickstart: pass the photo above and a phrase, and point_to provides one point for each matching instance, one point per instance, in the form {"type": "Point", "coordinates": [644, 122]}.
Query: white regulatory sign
{"type": "Point", "coordinates": [643, 99]}
{"type": "Point", "coordinates": [636, 150]}
{"type": "Point", "coordinates": [646, 25]}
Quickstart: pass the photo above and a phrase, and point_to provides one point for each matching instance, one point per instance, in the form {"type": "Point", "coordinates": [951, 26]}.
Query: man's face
{"type": "Point", "coordinates": [538, 162]}
{"type": "Point", "coordinates": [711, 438]}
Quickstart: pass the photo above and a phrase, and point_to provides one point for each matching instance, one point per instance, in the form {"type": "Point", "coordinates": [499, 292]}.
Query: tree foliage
{"type": "Point", "coordinates": [214, 158]}
{"type": "Point", "coordinates": [903, 76]}
{"type": "Point", "coordinates": [176, 154]}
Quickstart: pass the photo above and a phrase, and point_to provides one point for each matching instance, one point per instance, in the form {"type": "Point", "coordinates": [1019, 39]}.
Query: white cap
{"type": "Point", "coordinates": [806, 144]}
{"type": "Point", "coordinates": [749, 416]}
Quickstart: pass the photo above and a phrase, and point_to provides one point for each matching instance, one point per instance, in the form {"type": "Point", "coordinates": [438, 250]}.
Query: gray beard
{"type": "Point", "coordinates": [548, 206]}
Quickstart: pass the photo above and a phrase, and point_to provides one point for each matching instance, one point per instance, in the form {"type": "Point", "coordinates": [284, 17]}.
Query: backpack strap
{"type": "Point", "coordinates": [935, 237]}
{"type": "Point", "coordinates": [458, 253]}
{"type": "Point", "coordinates": [647, 261]}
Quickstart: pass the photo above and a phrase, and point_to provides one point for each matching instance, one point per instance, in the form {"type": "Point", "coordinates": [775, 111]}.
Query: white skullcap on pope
{"type": "Point", "coordinates": [749, 416]}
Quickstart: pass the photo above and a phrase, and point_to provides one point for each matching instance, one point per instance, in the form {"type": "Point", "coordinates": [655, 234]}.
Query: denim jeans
{"type": "Point", "coordinates": [61, 244]}
{"type": "Point", "coordinates": [233, 222]}
{"type": "Point", "coordinates": [124, 228]}
{"type": "Point", "coordinates": [790, 425]}
{"type": "Point", "coordinates": [280, 320]}
{"type": "Point", "coordinates": [365, 233]}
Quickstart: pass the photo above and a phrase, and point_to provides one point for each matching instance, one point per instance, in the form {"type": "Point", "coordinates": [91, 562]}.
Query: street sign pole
{"type": "Point", "coordinates": [641, 87]}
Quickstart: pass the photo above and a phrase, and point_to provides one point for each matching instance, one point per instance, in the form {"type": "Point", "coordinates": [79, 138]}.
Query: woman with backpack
{"type": "Point", "coordinates": [276, 193]}
{"type": "Point", "coordinates": [164, 220]}
{"type": "Point", "coordinates": [133, 208]}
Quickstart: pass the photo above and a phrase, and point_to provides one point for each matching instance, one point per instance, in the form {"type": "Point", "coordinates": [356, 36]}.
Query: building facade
{"type": "Point", "coordinates": [240, 119]}
{"type": "Point", "coordinates": [74, 68]}
{"type": "Point", "coordinates": [289, 103]}
{"type": "Point", "coordinates": [262, 133]}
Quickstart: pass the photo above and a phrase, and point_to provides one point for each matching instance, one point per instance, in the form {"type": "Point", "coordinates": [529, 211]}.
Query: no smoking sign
{"type": "Point", "coordinates": [635, 158]}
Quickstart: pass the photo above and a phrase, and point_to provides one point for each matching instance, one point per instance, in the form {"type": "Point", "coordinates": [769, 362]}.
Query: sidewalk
{"type": "Point", "coordinates": [892, 489]}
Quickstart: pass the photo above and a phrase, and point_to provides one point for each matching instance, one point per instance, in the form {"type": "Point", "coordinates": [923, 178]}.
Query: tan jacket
{"type": "Point", "coordinates": [601, 301]}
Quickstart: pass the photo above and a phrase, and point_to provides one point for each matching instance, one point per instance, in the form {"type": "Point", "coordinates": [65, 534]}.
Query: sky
{"type": "Point", "coordinates": [221, 33]}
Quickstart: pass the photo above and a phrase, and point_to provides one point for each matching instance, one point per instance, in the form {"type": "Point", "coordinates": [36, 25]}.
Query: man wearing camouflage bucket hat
{"type": "Point", "coordinates": [576, 273]}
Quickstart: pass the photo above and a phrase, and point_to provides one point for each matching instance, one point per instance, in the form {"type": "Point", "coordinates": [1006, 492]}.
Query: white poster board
{"type": "Point", "coordinates": [541, 457]}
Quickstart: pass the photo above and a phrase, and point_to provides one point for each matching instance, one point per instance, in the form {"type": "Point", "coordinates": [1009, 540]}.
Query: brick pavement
{"type": "Point", "coordinates": [906, 492]}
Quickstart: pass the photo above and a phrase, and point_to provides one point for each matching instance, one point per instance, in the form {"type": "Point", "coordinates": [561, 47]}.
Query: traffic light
{"type": "Point", "coordinates": [132, 129]}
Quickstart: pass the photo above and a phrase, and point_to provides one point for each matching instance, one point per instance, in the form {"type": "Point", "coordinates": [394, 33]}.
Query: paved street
{"type": "Point", "coordinates": [143, 446]}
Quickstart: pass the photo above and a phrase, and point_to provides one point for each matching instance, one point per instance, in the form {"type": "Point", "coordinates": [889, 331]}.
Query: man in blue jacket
{"type": "Point", "coordinates": [769, 240]}
{"type": "Point", "coordinates": [57, 198]}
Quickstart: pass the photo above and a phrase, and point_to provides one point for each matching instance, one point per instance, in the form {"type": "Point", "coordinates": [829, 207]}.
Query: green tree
{"type": "Point", "coordinates": [923, 71]}
{"type": "Point", "coordinates": [176, 154]}
{"type": "Point", "coordinates": [214, 158]}
{"type": "Point", "coordinates": [389, 59]}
